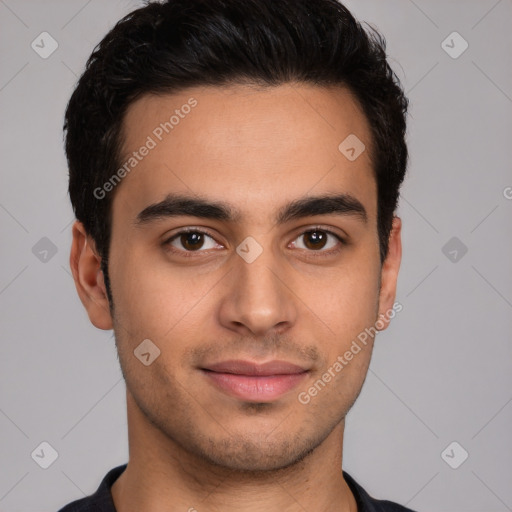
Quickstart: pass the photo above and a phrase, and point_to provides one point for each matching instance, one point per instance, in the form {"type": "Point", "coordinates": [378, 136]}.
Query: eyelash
{"type": "Point", "coordinates": [192, 254]}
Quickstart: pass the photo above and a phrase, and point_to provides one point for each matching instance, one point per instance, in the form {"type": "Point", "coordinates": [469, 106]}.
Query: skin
{"type": "Point", "coordinates": [191, 445]}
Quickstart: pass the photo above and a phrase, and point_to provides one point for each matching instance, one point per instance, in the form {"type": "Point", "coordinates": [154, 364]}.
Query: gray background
{"type": "Point", "coordinates": [441, 373]}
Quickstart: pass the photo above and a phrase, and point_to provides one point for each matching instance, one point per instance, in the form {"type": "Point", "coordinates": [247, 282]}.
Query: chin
{"type": "Point", "coordinates": [257, 456]}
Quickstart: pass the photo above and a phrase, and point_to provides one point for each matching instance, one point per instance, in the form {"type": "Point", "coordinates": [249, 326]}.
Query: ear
{"type": "Point", "coordinates": [389, 273]}
{"type": "Point", "coordinates": [86, 269]}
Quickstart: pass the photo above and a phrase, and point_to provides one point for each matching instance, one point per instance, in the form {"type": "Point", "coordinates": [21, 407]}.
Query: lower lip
{"type": "Point", "coordinates": [255, 388]}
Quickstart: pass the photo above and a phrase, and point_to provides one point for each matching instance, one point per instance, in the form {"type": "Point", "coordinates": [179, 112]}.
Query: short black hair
{"type": "Point", "coordinates": [166, 47]}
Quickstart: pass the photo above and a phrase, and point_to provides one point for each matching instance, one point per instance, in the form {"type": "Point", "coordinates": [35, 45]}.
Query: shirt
{"type": "Point", "coordinates": [101, 500]}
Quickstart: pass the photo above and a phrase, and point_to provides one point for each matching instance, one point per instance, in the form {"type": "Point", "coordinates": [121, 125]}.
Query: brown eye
{"type": "Point", "coordinates": [315, 239]}
{"type": "Point", "coordinates": [192, 241]}
{"type": "Point", "coordinates": [318, 240]}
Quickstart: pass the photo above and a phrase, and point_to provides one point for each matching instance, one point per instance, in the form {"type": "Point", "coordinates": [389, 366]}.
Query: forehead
{"type": "Point", "coordinates": [252, 147]}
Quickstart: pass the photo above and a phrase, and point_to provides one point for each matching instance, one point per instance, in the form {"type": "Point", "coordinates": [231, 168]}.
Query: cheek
{"type": "Point", "coordinates": [347, 300]}
{"type": "Point", "coordinates": [154, 299]}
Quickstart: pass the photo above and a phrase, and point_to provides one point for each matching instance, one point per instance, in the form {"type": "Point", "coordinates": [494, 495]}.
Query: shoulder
{"type": "Point", "coordinates": [101, 500]}
{"type": "Point", "coordinates": [365, 503]}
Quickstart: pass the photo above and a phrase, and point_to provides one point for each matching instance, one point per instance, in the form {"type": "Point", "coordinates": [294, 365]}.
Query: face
{"type": "Point", "coordinates": [245, 248]}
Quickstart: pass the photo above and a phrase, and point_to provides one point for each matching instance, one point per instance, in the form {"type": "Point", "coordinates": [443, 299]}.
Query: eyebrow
{"type": "Point", "coordinates": [176, 205]}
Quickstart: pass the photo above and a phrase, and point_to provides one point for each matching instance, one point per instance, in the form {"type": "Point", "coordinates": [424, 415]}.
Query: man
{"type": "Point", "coordinates": [234, 171]}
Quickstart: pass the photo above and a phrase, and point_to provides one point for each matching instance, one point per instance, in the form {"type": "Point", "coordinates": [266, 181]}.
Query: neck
{"type": "Point", "coordinates": [161, 475]}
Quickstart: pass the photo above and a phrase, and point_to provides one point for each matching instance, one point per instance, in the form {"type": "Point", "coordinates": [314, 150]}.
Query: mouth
{"type": "Point", "coordinates": [255, 382]}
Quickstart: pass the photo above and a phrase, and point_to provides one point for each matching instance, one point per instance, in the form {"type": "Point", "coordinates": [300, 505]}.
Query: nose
{"type": "Point", "coordinates": [258, 296]}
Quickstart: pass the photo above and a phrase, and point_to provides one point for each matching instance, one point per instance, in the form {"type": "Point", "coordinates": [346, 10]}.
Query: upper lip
{"type": "Point", "coordinates": [240, 367]}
